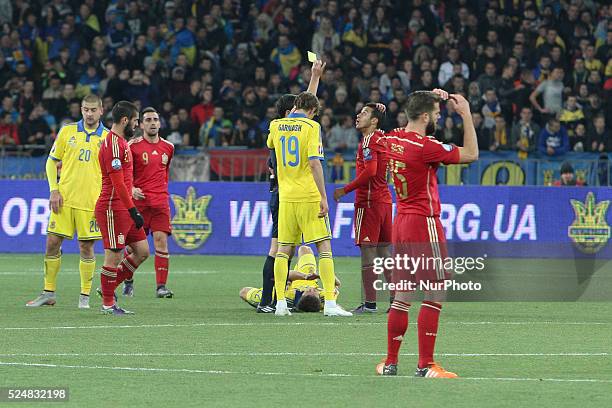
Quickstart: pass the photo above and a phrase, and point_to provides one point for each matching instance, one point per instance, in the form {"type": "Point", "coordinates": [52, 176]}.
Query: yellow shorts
{"type": "Point", "coordinates": [300, 222]}
{"type": "Point", "coordinates": [307, 264]}
{"type": "Point", "coordinates": [70, 219]}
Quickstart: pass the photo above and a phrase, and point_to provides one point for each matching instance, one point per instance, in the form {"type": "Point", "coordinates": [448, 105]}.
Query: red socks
{"type": "Point", "coordinates": [397, 324]}
{"type": "Point", "coordinates": [126, 269]}
{"type": "Point", "coordinates": [367, 278]}
{"type": "Point", "coordinates": [162, 261]}
{"type": "Point", "coordinates": [389, 279]}
{"type": "Point", "coordinates": [427, 325]}
{"type": "Point", "coordinates": [108, 284]}
{"type": "Point", "coordinates": [428, 330]}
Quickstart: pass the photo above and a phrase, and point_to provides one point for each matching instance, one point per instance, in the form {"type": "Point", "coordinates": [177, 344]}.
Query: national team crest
{"type": "Point", "coordinates": [164, 159]}
{"type": "Point", "coordinates": [190, 225]}
{"type": "Point", "coordinates": [590, 231]}
{"type": "Point", "coordinates": [121, 239]}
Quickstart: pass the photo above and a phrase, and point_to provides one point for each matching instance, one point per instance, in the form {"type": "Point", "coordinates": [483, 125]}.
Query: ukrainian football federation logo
{"type": "Point", "coordinates": [190, 226]}
{"type": "Point", "coordinates": [589, 231]}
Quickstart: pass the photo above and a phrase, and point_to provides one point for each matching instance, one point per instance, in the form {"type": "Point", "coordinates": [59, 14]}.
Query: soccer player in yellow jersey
{"type": "Point", "coordinates": [303, 208]}
{"type": "Point", "coordinates": [302, 291]}
{"type": "Point", "coordinates": [73, 198]}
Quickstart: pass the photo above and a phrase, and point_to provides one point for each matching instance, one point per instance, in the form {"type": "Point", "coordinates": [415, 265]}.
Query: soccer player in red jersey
{"type": "Point", "coordinates": [373, 204]}
{"type": "Point", "coordinates": [414, 157]}
{"type": "Point", "coordinates": [119, 220]}
{"type": "Point", "coordinates": [152, 156]}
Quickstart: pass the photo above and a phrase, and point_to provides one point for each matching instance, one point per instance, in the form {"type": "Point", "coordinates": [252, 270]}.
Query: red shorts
{"type": "Point", "coordinates": [118, 229]}
{"type": "Point", "coordinates": [156, 219]}
{"type": "Point", "coordinates": [373, 225]}
{"type": "Point", "coordinates": [418, 236]}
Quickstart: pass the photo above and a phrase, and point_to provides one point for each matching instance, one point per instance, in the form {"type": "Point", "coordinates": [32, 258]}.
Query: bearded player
{"type": "Point", "coordinates": [414, 158]}
{"type": "Point", "coordinates": [119, 220]}
{"type": "Point", "coordinates": [152, 156]}
{"type": "Point", "coordinates": [373, 204]}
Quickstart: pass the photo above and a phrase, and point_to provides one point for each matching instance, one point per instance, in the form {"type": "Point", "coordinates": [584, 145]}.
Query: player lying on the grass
{"type": "Point", "coordinates": [152, 156]}
{"type": "Point", "coordinates": [283, 108]}
{"type": "Point", "coordinates": [73, 198]}
{"type": "Point", "coordinates": [303, 208]}
{"type": "Point", "coordinates": [119, 219]}
{"type": "Point", "coordinates": [414, 158]}
{"type": "Point", "coordinates": [373, 204]}
{"type": "Point", "coordinates": [302, 291]}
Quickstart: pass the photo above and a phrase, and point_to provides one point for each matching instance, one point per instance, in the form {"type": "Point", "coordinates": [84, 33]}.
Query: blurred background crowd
{"type": "Point", "coordinates": [538, 74]}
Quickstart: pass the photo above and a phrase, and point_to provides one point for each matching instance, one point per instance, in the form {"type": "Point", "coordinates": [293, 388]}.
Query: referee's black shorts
{"type": "Point", "coordinates": [274, 211]}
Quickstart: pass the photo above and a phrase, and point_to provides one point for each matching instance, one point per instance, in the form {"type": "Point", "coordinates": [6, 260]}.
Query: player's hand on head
{"type": "Point", "coordinates": [323, 208]}
{"type": "Point", "coordinates": [441, 93]}
{"type": "Point", "coordinates": [56, 201]}
{"type": "Point", "coordinates": [460, 104]}
{"type": "Point", "coordinates": [311, 276]}
{"type": "Point", "coordinates": [381, 107]}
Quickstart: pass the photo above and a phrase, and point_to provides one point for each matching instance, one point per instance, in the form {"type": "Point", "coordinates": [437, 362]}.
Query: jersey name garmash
{"type": "Point", "coordinates": [289, 128]}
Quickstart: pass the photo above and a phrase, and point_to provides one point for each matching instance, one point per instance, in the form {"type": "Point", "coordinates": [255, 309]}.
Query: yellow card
{"type": "Point", "coordinates": [312, 57]}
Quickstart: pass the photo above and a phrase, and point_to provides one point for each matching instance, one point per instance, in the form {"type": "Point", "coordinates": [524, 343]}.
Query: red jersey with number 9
{"type": "Point", "coordinates": [114, 156]}
{"type": "Point", "coordinates": [413, 162]}
{"type": "Point", "coordinates": [151, 168]}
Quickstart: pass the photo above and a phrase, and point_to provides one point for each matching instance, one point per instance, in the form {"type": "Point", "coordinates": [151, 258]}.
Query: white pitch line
{"type": "Point", "coordinates": [292, 374]}
{"type": "Point", "coordinates": [240, 324]}
{"type": "Point", "coordinates": [298, 354]}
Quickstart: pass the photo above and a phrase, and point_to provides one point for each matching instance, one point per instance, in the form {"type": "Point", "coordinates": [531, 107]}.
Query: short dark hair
{"type": "Point", "coordinates": [148, 109]}
{"type": "Point", "coordinates": [306, 102]}
{"type": "Point", "coordinates": [123, 109]}
{"type": "Point", "coordinates": [285, 103]}
{"type": "Point", "coordinates": [376, 113]}
{"type": "Point", "coordinates": [420, 102]}
{"type": "Point", "coordinates": [309, 303]}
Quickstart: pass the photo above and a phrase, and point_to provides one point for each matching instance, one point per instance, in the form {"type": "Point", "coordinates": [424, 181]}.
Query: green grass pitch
{"type": "Point", "coordinates": [207, 348]}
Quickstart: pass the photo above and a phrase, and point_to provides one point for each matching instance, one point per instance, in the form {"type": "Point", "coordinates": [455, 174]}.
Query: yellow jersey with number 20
{"type": "Point", "coordinates": [296, 139]}
{"type": "Point", "coordinates": [80, 178]}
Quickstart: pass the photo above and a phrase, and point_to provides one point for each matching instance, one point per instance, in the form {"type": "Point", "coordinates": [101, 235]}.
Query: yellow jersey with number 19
{"type": "Point", "coordinates": [296, 139]}
{"type": "Point", "coordinates": [80, 177]}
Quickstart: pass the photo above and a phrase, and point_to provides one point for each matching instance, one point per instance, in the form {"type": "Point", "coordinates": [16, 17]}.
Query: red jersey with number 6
{"type": "Point", "coordinates": [373, 147]}
{"type": "Point", "coordinates": [114, 156]}
{"type": "Point", "coordinates": [413, 162]}
{"type": "Point", "coordinates": [151, 168]}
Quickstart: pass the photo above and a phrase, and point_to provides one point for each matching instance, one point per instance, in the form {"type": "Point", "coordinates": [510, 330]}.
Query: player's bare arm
{"type": "Point", "coordinates": [318, 67]}
{"type": "Point", "coordinates": [317, 173]}
{"type": "Point", "coordinates": [55, 199]}
{"type": "Point", "coordinates": [469, 152]}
